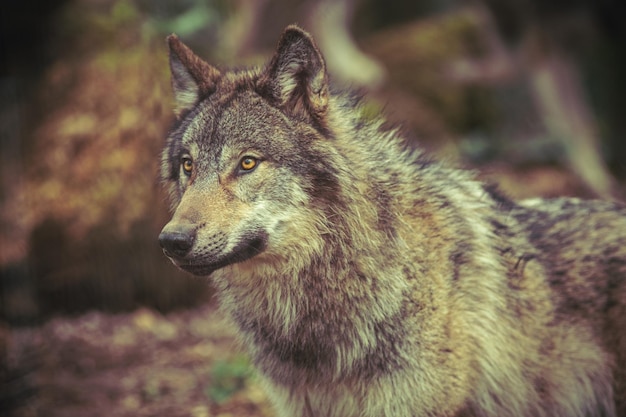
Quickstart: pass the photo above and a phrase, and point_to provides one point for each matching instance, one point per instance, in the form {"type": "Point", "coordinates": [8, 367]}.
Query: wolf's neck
{"type": "Point", "coordinates": [336, 266]}
{"type": "Point", "coordinates": [324, 301]}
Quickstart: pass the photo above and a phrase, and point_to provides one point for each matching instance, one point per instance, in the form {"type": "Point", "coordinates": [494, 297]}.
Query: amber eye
{"type": "Point", "coordinates": [248, 163]}
{"type": "Point", "coordinates": [187, 164]}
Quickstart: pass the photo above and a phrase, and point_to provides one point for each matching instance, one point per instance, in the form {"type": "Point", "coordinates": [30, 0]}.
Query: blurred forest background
{"type": "Point", "coordinates": [530, 93]}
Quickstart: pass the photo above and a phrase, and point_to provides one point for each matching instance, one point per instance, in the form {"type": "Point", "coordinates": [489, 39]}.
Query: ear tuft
{"type": "Point", "coordinates": [192, 78]}
{"type": "Point", "coordinates": [296, 78]}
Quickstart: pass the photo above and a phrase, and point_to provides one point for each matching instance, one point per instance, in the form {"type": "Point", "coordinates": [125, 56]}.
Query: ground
{"type": "Point", "coordinates": [142, 363]}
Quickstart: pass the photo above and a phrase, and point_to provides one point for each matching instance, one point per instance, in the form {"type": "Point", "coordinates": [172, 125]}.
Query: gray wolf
{"type": "Point", "coordinates": [367, 279]}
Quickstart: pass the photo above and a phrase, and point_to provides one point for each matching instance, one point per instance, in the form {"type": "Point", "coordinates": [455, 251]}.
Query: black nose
{"type": "Point", "coordinates": [177, 241]}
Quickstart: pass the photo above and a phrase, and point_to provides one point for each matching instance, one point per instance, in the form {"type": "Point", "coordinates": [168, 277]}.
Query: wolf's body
{"type": "Point", "coordinates": [367, 280]}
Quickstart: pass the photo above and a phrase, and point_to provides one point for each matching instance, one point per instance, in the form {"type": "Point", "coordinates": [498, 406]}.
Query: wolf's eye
{"type": "Point", "coordinates": [248, 163]}
{"type": "Point", "coordinates": [187, 164]}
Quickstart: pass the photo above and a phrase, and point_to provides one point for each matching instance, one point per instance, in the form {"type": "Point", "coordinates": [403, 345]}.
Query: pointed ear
{"type": "Point", "coordinates": [192, 78]}
{"type": "Point", "coordinates": [296, 78]}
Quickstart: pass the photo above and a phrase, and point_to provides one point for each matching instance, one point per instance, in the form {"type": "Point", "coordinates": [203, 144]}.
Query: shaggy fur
{"type": "Point", "coordinates": [367, 280]}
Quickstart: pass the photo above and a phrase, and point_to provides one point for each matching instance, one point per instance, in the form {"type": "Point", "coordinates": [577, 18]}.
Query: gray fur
{"type": "Point", "coordinates": [369, 280]}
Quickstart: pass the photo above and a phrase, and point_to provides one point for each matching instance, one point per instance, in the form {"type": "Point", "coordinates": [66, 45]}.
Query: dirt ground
{"type": "Point", "coordinates": [136, 364]}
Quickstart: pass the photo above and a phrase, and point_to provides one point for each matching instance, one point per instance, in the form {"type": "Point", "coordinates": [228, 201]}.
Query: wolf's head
{"type": "Point", "coordinates": [246, 161]}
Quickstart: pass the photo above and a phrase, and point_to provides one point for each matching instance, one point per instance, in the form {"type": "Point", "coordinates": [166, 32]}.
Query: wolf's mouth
{"type": "Point", "coordinates": [200, 270]}
{"type": "Point", "coordinates": [201, 266]}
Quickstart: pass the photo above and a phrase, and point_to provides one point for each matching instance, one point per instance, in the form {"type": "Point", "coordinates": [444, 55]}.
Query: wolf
{"type": "Point", "coordinates": [367, 279]}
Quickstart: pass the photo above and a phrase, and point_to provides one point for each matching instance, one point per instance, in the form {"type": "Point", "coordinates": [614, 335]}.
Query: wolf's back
{"type": "Point", "coordinates": [582, 245]}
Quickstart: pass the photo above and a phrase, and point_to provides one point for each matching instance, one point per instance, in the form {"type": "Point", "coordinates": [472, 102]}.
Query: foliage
{"type": "Point", "coordinates": [228, 378]}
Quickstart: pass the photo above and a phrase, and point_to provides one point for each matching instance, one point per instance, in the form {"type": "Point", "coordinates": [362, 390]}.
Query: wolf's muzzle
{"type": "Point", "coordinates": [177, 242]}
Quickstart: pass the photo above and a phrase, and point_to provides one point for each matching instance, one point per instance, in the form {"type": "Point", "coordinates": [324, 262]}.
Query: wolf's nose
{"type": "Point", "coordinates": [178, 242]}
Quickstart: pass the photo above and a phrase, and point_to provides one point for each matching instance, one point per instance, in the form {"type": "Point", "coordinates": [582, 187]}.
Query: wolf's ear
{"type": "Point", "coordinates": [296, 78]}
{"type": "Point", "coordinates": [192, 78]}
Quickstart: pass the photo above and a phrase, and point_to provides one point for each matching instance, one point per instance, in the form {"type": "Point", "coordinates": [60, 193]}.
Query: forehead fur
{"type": "Point", "coordinates": [237, 118]}
{"type": "Point", "coordinates": [238, 81]}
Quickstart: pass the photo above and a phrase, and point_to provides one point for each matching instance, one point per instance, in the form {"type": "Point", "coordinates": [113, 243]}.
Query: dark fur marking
{"type": "Point", "coordinates": [504, 203]}
{"type": "Point", "coordinates": [522, 260]}
{"type": "Point", "coordinates": [304, 348]}
{"type": "Point", "coordinates": [385, 358]}
{"type": "Point", "coordinates": [461, 255]}
{"type": "Point", "coordinates": [616, 270]}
